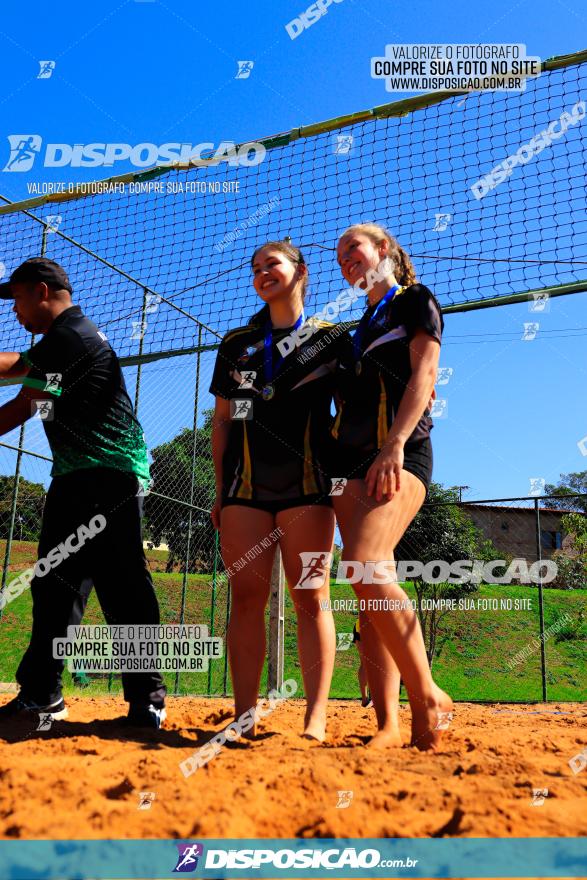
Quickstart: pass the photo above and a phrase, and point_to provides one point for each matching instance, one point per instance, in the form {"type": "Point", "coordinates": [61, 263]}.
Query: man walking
{"type": "Point", "coordinates": [100, 470]}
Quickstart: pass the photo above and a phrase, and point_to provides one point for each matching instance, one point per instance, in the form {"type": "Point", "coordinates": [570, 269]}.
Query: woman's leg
{"type": "Point", "coordinates": [362, 676]}
{"type": "Point", "coordinates": [371, 531]}
{"type": "Point", "coordinates": [311, 528]}
{"type": "Point", "coordinates": [241, 530]}
{"type": "Point", "coordinates": [384, 682]}
{"type": "Point", "coordinates": [379, 667]}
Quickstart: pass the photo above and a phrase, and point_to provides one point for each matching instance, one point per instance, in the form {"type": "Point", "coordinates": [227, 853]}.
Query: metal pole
{"type": "Point", "coordinates": [276, 625]}
{"type": "Point", "coordinates": [540, 602]}
{"type": "Point", "coordinates": [212, 604]}
{"type": "Point", "coordinates": [140, 354]}
{"type": "Point", "coordinates": [192, 487]}
{"type": "Point", "coordinates": [14, 501]}
{"type": "Point", "coordinates": [225, 682]}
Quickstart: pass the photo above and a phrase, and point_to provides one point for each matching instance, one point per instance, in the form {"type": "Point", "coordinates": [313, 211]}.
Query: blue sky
{"type": "Point", "coordinates": [159, 72]}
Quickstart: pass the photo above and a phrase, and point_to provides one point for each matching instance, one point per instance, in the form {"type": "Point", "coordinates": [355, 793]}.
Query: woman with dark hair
{"type": "Point", "coordinates": [385, 380]}
{"type": "Point", "coordinates": [269, 434]}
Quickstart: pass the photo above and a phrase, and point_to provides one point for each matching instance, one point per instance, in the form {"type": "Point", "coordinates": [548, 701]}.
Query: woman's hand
{"type": "Point", "coordinates": [215, 513]}
{"type": "Point", "coordinates": [384, 475]}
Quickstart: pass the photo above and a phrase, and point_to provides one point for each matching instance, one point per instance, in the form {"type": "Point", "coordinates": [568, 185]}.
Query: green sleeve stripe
{"type": "Point", "coordinates": [38, 383]}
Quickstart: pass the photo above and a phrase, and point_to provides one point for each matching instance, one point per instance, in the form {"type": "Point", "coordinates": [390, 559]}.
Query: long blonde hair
{"type": "Point", "coordinates": [403, 267]}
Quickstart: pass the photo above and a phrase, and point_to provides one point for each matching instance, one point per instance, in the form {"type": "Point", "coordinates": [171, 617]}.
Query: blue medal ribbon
{"type": "Point", "coordinates": [268, 356]}
{"type": "Point", "coordinates": [366, 322]}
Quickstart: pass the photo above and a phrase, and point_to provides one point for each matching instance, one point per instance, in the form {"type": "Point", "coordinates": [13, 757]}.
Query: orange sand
{"type": "Point", "coordinates": [82, 778]}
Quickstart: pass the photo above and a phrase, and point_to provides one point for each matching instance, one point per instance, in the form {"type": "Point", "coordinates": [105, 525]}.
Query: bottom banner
{"type": "Point", "coordinates": [336, 858]}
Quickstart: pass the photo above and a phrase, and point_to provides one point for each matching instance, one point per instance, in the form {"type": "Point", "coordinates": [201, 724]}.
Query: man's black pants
{"type": "Point", "coordinates": [113, 560]}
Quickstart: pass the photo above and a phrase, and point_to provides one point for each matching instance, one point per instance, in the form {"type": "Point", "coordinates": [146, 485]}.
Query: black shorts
{"type": "Point", "coordinates": [354, 463]}
{"type": "Point", "coordinates": [278, 506]}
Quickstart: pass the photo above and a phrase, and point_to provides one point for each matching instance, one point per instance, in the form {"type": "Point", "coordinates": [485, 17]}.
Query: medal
{"type": "Point", "coordinates": [267, 392]}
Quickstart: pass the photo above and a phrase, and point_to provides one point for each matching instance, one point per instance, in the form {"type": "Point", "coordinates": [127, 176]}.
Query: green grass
{"type": "Point", "coordinates": [472, 649]}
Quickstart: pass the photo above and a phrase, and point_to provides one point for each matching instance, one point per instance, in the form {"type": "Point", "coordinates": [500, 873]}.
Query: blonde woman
{"type": "Point", "coordinates": [385, 379]}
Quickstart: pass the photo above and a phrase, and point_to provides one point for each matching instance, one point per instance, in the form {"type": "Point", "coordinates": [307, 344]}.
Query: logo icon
{"type": "Point", "coordinates": [343, 144]}
{"type": "Point", "coordinates": [139, 329]}
{"type": "Point", "coordinates": [540, 302]}
{"type": "Point", "coordinates": [344, 799]}
{"type": "Point", "coordinates": [46, 69]}
{"type": "Point", "coordinates": [144, 490]}
{"type": "Point", "coordinates": [338, 484]}
{"type": "Point", "coordinates": [315, 568]}
{"type": "Point", "coordinates": [23, 151]}
{"type": "Point", "coordinates": [343, 641]}
{"type": "Point", "coordinates": [244, 69]}
{"type": "Point", "coordinates": [537, 485]}
{"type": "Point", "coordinates": [578, 762]}
{"type": "Point", "coordinates": [146, 798]}
{"type": "Point", "coordinates": [44, 409]}
{"type": "Point", "coordinates": [442, 221]}
{"type": "Point", "coordinates": [187, 861]}
{"type": "Point", "coordinates": [444, 375]}
{"type": "Point", "coordinates": [53, 382]}
{"type": "Point", "coordinates": [444, 720]}
{"type": "Point", "coordinates": [53, 222]}
{"type": "Point", "coordinates": [45, 721]}
{"type": "Point", "coordinates": [247, 378]}
{"type": "Point", "coordinates": [439, 409]}
{"type": "Point", "coordinates": [152, 302]}
{"type": "Point", "coordinates": [241, 409]}
{"type": "Point", "coordinates": [530, 331]}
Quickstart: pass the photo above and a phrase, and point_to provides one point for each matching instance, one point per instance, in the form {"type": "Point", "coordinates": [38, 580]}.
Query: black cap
{"type": "Point", "coordinates": [33, 270]}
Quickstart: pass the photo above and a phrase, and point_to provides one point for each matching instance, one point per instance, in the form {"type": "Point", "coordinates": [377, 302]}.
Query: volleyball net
{"type": "Point", "coordinates": [485, 190]}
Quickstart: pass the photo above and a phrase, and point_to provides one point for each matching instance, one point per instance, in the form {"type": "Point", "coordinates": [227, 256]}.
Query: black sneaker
{"type": "Point", "coordinates": [21, 708]}
{"type": "Point", "coordinates": [145, 716]}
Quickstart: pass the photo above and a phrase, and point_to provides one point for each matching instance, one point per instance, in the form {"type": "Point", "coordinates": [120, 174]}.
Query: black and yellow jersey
{"type": "Point", "coordinates": [370, 383]}
{"type": "Point", "coordinates": [280, 450]}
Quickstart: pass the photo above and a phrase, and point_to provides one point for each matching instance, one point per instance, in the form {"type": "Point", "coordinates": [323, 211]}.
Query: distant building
{"type": "Point", "coordinates": [513, 529]}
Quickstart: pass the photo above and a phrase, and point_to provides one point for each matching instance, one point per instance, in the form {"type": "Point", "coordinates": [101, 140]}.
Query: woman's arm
{"type": "Point", "coordinates": [384, 473]}
{"type": "Point", "coordinates": [220, 432]}
{"type": "Point", "coordinates": [424, 357]}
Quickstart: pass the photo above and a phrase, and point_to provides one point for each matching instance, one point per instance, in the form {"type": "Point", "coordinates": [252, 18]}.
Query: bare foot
{"type": "Point", "coordinates": [251, 733]}
{"type": "Point", "coordinates": [315, 728]}
{"type": "Point", "coordinates": [430, 719]}
{"type": "Point", "coordinates": [385, 739]}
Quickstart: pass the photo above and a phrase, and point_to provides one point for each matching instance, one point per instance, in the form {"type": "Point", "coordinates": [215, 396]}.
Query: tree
{"type": "Point", "coordinates": [442, 531]}
{"type": "Point", "coordinates": [568, 485]}
{"type": "Point", "coordinates": [336, 555]}
{"type": "Point", "coordinates": [171, 519]}
{"type": "Point", "coordinates": [572, 560]}
{"type": "Point", "coordinates": [29, 509]}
